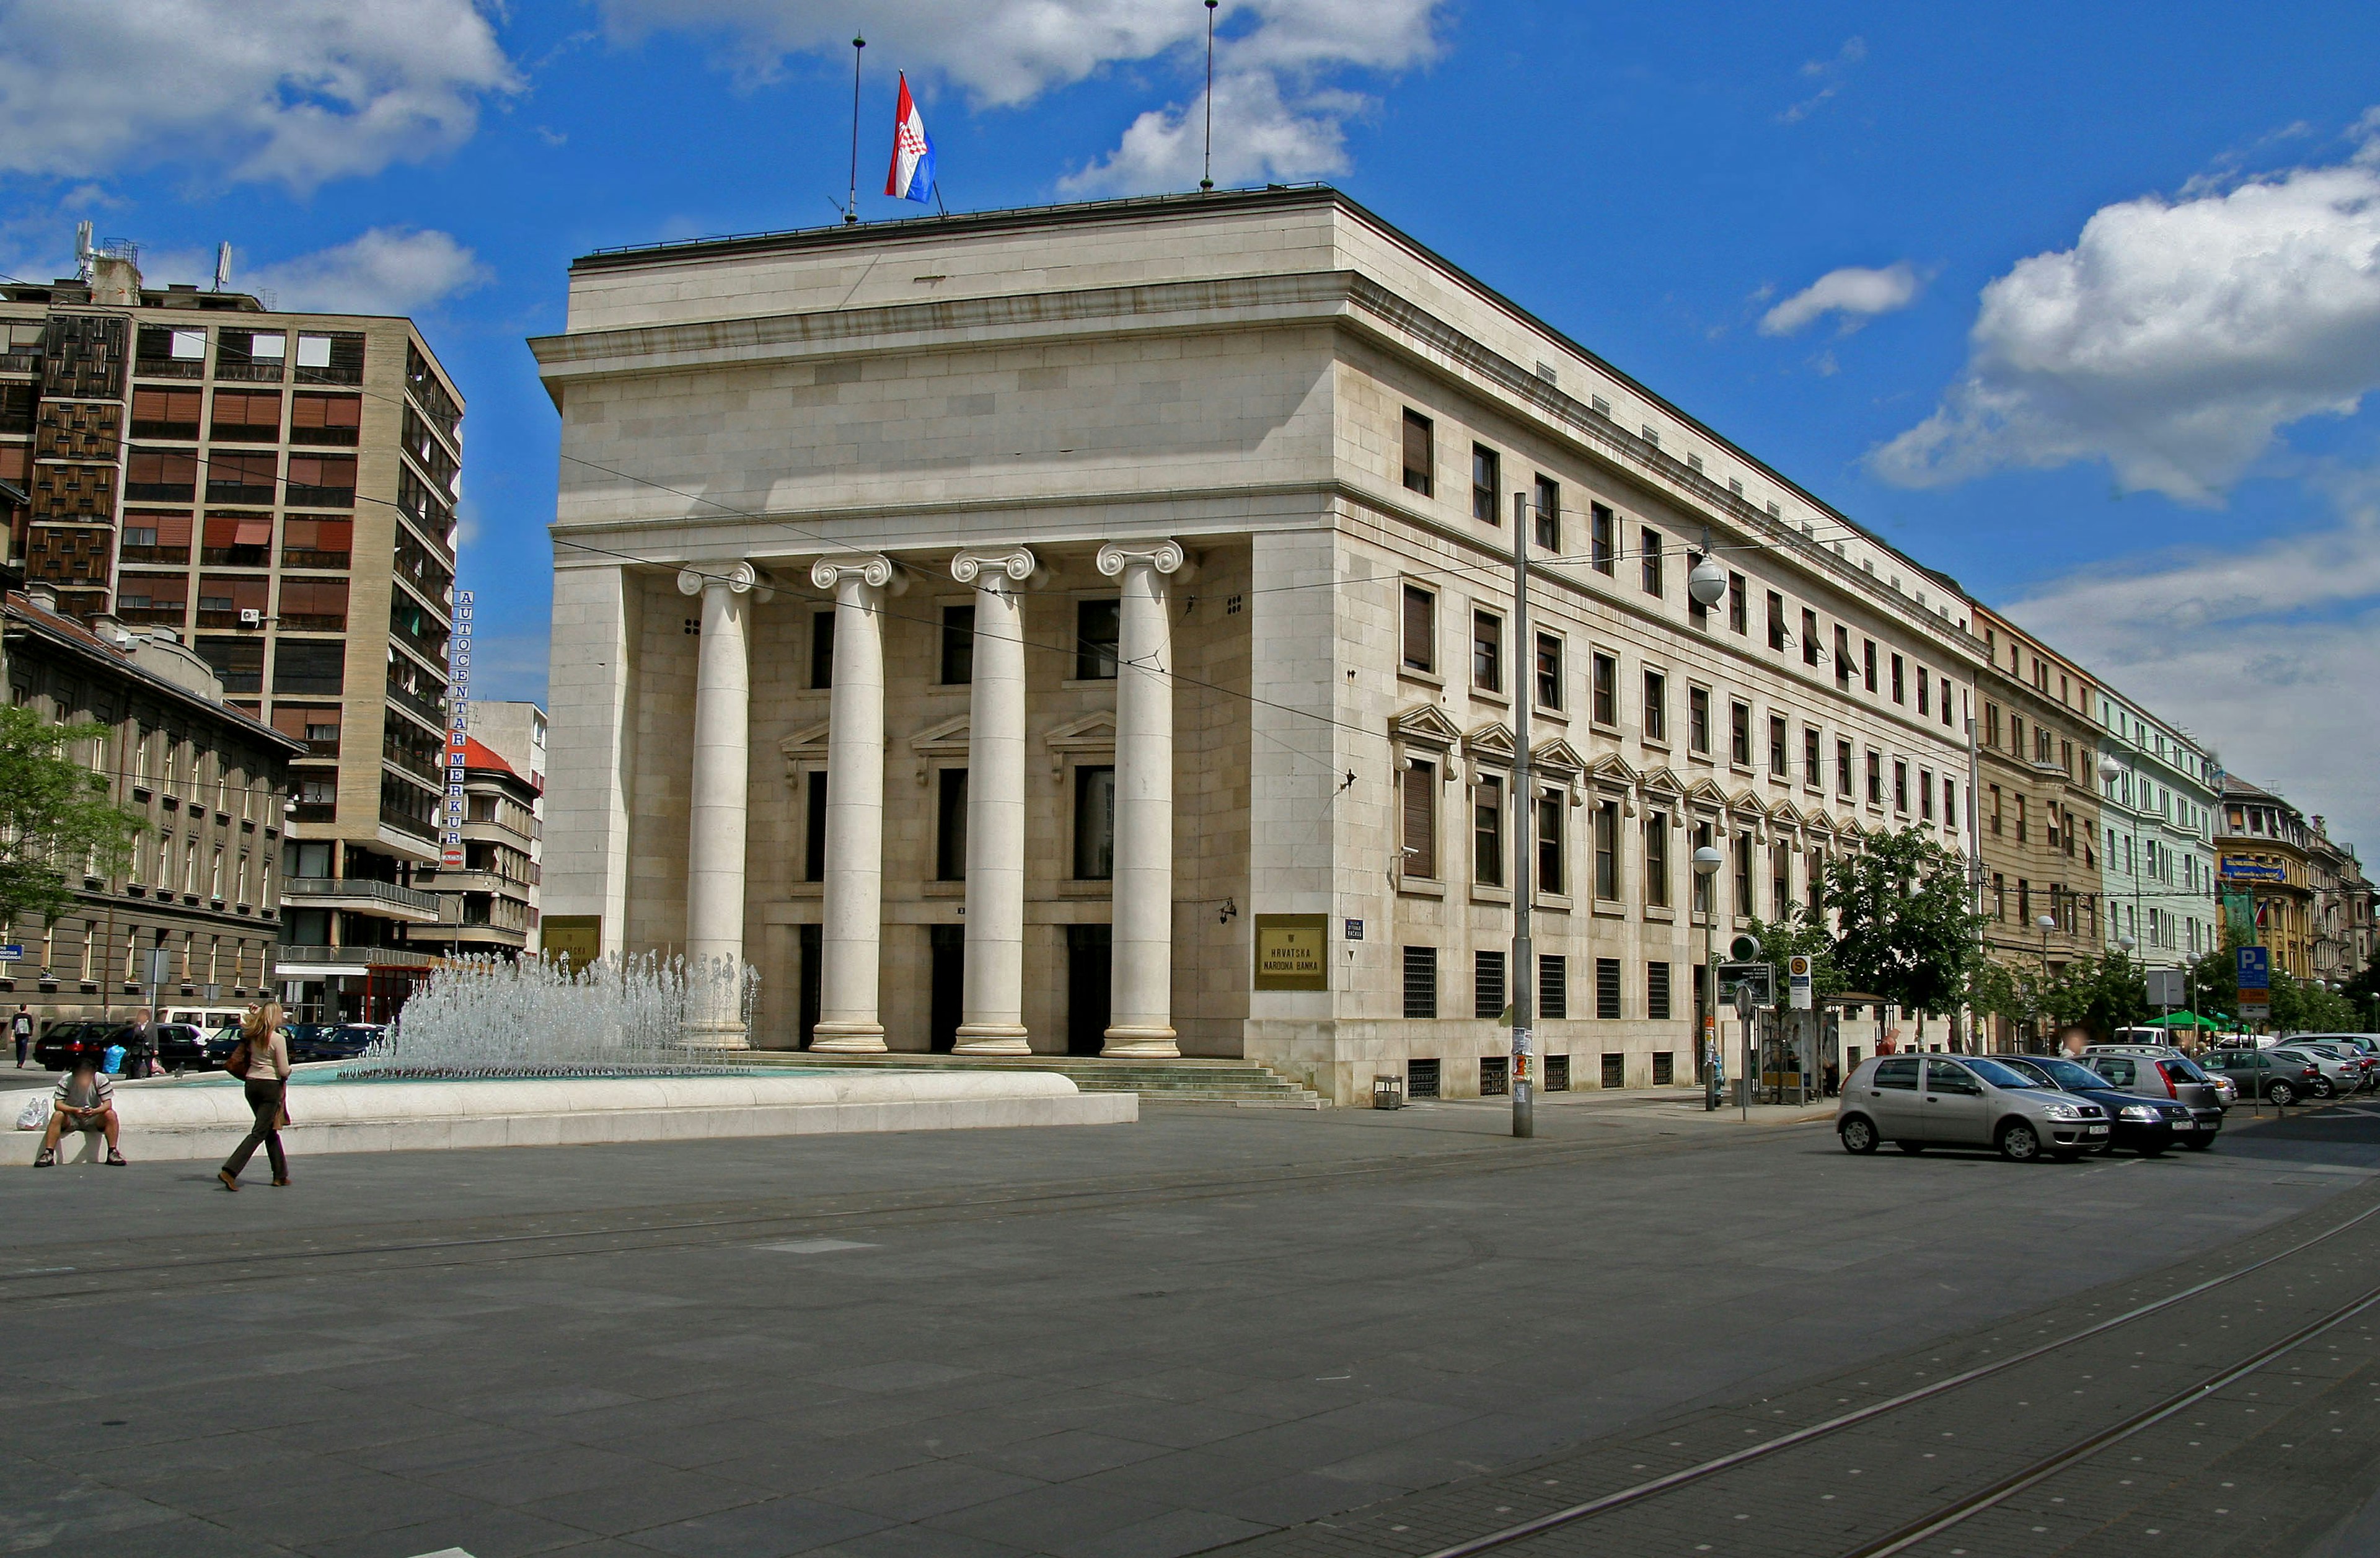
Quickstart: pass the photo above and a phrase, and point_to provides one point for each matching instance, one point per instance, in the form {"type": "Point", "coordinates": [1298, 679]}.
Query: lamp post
{"type": "Point", "coordinates": [2045, 924]}
{"type": "Point", "coordinates": [1524, 963]}
{"type": "Point", "coordinates": [1708, 860]}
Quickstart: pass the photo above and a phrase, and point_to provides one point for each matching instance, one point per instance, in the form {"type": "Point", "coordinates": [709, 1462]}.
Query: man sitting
{"type": "Point", "coordinates": [85, 1101]}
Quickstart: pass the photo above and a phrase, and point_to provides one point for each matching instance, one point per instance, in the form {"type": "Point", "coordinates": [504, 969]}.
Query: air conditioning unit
{"type": "Point", "coordinates": [251, 617]}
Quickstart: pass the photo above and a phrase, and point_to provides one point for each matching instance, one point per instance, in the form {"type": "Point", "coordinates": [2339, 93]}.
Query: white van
{"type": "Point", "coordinates": [206, 1019]}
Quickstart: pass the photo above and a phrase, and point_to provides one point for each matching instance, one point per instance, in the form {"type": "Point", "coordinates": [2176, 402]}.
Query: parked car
{"type": "Point", "coordinates": [50, 1049]}
{"type": "Point", "coordinates": [2266, 1074]}
{"type": "Point", "coordinates": [219, 1044]}
{"type": "Point", "coordinates": [1919, 1101]}
{"type": "Point", "coordinates": [342, 1041]}
{"type": "Point", "coordinates": [2333, 1073]}
{"type": "Point", "coordinates": [2339, 1046]}
{"type": "Point", "coordinates": [181, 1047]}
{"type": "Point", "coordinates": [2162, 1074]}
{"type": "Point", "coordinates": [2146, 1125]}
{"type": "Point", "coordinates": [204, 1018]}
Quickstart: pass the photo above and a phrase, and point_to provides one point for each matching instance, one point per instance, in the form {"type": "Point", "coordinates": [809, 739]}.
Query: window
{"type": "Point", "coordinates": [1649, 541]}
{"type": "Point", "coordinates": [814, 825]}
{"type": "Point", "coordinates": [1607, 989]}
{"type": "Point", "coordinates": [1739, 734]}
{"type": "Point", "coordinates": [161, 476]}
{"type": "Point", "coordinates": [1548, 514]}
{"type": "Point", "coordinates": [1550, 671]}
{"type": "Point", "coordinates": [1550, 878]}
{"type": "Point", "coordinates": [1417, 453]}
{"type": "Point", "coordinates": [950, 824]}
{"type": "Point", "coordinates": [1487, 651]}
{"type": "Point", "coordinates": [1656, 707]}
{"type": "Point", "coordinates": [325, 419]}
{"type": "Point", "coordinates": [1696, 613]}
{"type": "Point", "coordinates": [1601, 547]}
{"type": "Point", "coordinates": [1901, 787]}
{"type": "Point", "coordinates": [1924, 691]}
{"type": "Point", "coordinates": [1603, 690]}
{"type": "Point", "coordinates": [1874, 779]}
{"type": "Point", "coordinates": [330, 359]}
{"type": "Point", "coordinates": [1777, 764]}
{"type": "Point", "coordinates": [1743, 875]}
{"type": "Point", "coordinates": [1925, 794]}
{"type": "Point", "coordinates": [1815, 883]}
{"type": "Point", "coordinates": [1487, 985]}
{"type": "Point", "coordinates": [2019, 797]}
{"type": "Point", "coordinates": [1095, 824]}
{"type": "Point", "coordinates": [1421, 982]}
{"type": "Point", "coordinates": [1702, 884]}
{"type": "Point", "coordinates": [1810, 774]}
{"type": "Point", "coordinates": [156, 413]}
{"type": "Point", "coordinates": [1656, 861]}
{"type": "Point", "coordinates": [1868, 662]}
{"type": "Point", "coordinates": [821, 648]}
{"type": "Point", "coordinates": [1487, 831]}
{"type": "Point", "coordinates": [328, 480]}
{"type": "Point", "coordinates": [1098, 627]}
{"type": "Point", "coordinates": [1842, 657]}
{"type": "Point", "coordinates": [1899, 679]}
{"type": "Point", "coordinates": [1657, 992]}
{"type": "Point", "coordinates": [1775, 621]}
{"type": "Point", "coordinates": [2024, 903]}
{"type": "Point", "coordinates": [311, 542]}
{"type": "Point", "coordinates": [1420, 630]}
{"type": "Point", "coordinates": [958, 645]}
{"type": "Point", "coordinates": [1553, 994]}
{"type": "Point", "coordinates": [1606, 851]}
{"type": "Point", "coordinates": [1420, 809]}
{"type": "Point", "coordinates": [1485, 483]}
{"type": "Point", "coordinates": [1739, 611]}
{"type": "Point", "coordinates": [246, 417]}
{"type": "Point", "coordinates": [1698, 731]}
{"type": "Point", "coordinates": [1809, 637]}
{"type": "Point", "coordinates": [1781, 881]}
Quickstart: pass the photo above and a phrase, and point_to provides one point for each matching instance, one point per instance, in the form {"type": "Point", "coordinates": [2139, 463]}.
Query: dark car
{"type": "Point", "coordinates": [51, 1048]}
{"type": "Point", "coordinates": [344, 1042]}
{"type": "Point", "coordinates": [2144, 1125]}
{"type": "Point", "coordinates": [2261, 1073]}
{"type": "Point", "coordinates": [2165, 1076]}
{"type": "Point", "coordinates": [181, 1047]}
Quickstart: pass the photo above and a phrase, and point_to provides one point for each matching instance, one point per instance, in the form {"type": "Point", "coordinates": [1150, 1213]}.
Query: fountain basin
{"type": "Point", "coordinates": [206, 1121]}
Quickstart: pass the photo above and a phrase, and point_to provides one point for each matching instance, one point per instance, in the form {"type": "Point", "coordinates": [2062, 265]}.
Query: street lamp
{"type": "Point", "coordinates": [1706, 582]}
{"type": "Point", "coordinates": [1707, 862]}
{"type": "Point", "coordinates": [2045, 924]}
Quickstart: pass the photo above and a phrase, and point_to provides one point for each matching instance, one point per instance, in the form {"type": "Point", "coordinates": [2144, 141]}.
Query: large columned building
{"type": "Point", "coordinates": [1090, 630]}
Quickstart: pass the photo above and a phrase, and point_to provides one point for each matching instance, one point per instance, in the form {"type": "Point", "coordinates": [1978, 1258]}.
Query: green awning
{"type": "Point", "coordinates": [2185, 1019]}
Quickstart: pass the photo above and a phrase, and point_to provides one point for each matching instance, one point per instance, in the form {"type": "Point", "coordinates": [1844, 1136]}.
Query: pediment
{"type": "Point", "coordinates": [804, 748]}
{"type": "Point", "coordinates": [1785, 814]}
{"type": "Point", "coordinates": [1492, 741]}
{"type": "Point", "coordinates": [1612, 772]}
{"type": "Point", "coordinates": [1094, 735]}
{"type": "Point", "coordinates": [947, 736]}
{"type": "Point", "coordinates": [1424, 725]}
{"type": "Point", "coordinates": [1664, 780]}
{"type": "Point", "coordinates": [1706, 796]}
{"type": "Point", "coordinates": [1557, 756]}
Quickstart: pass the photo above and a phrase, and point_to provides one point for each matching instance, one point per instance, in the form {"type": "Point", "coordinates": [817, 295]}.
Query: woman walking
{"type": "Point", "coordinates": [265, 1072]}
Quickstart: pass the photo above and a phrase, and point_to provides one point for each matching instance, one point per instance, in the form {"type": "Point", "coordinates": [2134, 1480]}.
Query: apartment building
{"type": "Point", "coordinates": [1098, 636]}
{"type": "Point", "coordinates": [2158, 815]}
{"type": "Point", "coordinates": [2265, 865]}
{"type": "Point", "coordinates": [2339, 927]}
{"type": "Point", "coordinates": [489, 903]}
{"type": "Point", "coordinates": [2037, 750]}
{"type": "Point", "coordinates": [272, 487]}
{"type": "Point", "coordinates": [203, 881]}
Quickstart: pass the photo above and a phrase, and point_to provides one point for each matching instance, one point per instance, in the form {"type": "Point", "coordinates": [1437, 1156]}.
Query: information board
{"type": "Point", "coordinates": [1292, 952]}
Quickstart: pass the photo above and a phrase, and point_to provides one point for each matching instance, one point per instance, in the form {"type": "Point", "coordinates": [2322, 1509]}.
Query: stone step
{"type": "Point", "coordinates": [1189, 1081]}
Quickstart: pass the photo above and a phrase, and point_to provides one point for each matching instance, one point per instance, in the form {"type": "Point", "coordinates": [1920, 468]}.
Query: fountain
{"type": "Point", "coordinates": [491, 1053]}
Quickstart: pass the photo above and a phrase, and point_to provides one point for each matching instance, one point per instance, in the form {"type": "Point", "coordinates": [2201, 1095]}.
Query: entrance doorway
{"type": "Point", "coordinates": [948, 944]}
{"type": "Point", "coordinates": [813, 968]}
{"type": "Point", "coordinates": [1090, 965]}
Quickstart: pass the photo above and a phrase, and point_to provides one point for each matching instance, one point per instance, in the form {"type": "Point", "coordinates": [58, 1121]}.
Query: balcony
{"type": "Point", "coordinates": [384, 900]}
{"type": "Point", "coordinates": [316, 962]}
{"type": "Point", "coordinates": [430, 708]}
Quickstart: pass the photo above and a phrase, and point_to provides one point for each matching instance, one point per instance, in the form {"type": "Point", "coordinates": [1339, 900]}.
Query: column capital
{"type": "Point", "coordinates": [1165, 556]}
{"type": "Point", "coordinates": [871, 568]}
{"type": "Point", "coordinates": [742, 578]}
{"type": "Point", "coordinates": [1017, 562]}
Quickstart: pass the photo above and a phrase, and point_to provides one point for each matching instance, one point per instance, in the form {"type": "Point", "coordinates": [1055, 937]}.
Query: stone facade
{"type": "Point", "coordinates": [1211, 502]}
{"type": "Point", "coordinates": [2157, 808]}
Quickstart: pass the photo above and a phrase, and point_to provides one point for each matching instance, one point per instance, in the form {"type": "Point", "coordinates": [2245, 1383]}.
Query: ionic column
{"type": "Point", "coordinates": [992, 1005]}
{"type": "Point", "coordinates": [715, 840]}
{"type": "Point", "coordinates": [855, 807]}
{"type": "Point", "coordinates": [1141, 1007]}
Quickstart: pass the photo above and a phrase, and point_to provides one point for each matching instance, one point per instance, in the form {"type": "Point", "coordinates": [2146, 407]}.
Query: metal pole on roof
{"type": "Point", "coordinates": [851, 211]}
{"type": "Point", "coordinates": [1523, 979]}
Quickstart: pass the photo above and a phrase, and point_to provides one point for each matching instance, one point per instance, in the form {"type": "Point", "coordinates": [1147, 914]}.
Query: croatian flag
{"type": "Point", "coordinates": [912, 174]}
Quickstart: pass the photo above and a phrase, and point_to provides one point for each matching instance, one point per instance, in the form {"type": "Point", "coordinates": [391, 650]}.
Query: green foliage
{"type": "Point", "coordinates": [1905, 924]}
{"type": "Point", "coordinates": [2304, 1007]}
{"type": "Point", "coordinates": [1799, 936]}
{"type": "Point", "coordinates": [2099, 993]}
{"type": "Point", "coordinates": [1996, 990]}
{"type": "Point", "coordinates": [56, 817]}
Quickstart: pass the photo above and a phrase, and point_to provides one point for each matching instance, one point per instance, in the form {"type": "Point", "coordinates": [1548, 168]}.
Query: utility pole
{"type": "Point", "coordinates": [1524, 963]}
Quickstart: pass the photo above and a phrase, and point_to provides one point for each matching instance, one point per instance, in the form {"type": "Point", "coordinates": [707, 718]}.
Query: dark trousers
{"type": "Point", "coordinates": [264, 1098]}
{"type": "Point", "coordinates": [22, 1041]}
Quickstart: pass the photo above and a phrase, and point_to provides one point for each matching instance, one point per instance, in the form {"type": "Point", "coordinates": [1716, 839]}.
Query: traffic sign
{"type": "Point", "coordinates": [1743, 1001]}
{"type": "Point", "coordinates": [1798, 982]}
{"type": "Point", "coordinates": [2255, 968]}
{"type": "Point", "coordinates": [12, 952]}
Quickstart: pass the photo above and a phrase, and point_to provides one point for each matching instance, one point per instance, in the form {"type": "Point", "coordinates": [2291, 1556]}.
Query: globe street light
{"type": "Point", "coordinates": [1707, 862]}
{"type": "Point", "coordinates": [1706, 582]}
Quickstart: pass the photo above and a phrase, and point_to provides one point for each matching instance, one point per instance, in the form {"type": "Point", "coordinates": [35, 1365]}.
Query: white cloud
{"type": "Point", "coordinates": [2263, 650]}
{"type": "Point", "coordinates": [386, 271]}
{"type": "Point", "coordinates": [1830, 74]}
{"type": "Point", "coordinates": [294, 91]}
{"type": "Point", "coordinates": [1854, 293]}
{"type": "Point", "coordinates": [1276, 116]}
{"type": "Point", "coordinates": [2173, 341]}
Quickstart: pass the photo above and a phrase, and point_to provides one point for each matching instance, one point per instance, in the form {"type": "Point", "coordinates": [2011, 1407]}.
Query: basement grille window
{"type": "Point", "coordinates": [1665, 1068]}
{"type": "Point", "coordinates": [1615, 1071]}
{"type": "Point", "coordinates": [1553, 989]}
{"type": "Point", "coordinates": [1607, 988]}
{"type": "Point", "coordinates": [1558, 1074]}
{"type": "Point", "coordinates": [1421, 982]}
{"type": "Point", "coordinates": [1495, 1075]}
{"type": "Point", "coordinates": [1421, 1079]}
{"type": "Point", "coordinates": [1487, 984]}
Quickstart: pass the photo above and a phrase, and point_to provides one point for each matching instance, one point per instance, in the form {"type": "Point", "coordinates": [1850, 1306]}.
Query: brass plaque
{"type": "Point", "coordinates": [578, 937]}
{"type": "Point", "coordinates": [1292, 952]}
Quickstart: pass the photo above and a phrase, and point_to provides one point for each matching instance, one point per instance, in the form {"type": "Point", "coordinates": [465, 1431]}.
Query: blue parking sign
{"type": "Point", "coordinates": [2255, 968]}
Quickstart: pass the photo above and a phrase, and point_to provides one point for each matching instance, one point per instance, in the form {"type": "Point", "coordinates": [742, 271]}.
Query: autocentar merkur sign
{"type": "Point", "coordinates": [459, 723]}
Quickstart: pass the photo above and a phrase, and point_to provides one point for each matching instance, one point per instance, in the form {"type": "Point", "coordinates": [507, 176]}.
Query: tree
{"type": "Point", "coordinates": [1905, 930]}
{"type": "Point", "coordinates": [1801, 936]}
{"type": "Point", "coordinates": [2101, 995]}
{"type": "Point", "coordinates": [56, 817]}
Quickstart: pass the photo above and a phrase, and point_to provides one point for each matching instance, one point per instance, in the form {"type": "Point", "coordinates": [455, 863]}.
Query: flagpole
{"type": "Point", "coordinates": [1207, 178]}
{"type": "Point", "coordinates": [851, 212]}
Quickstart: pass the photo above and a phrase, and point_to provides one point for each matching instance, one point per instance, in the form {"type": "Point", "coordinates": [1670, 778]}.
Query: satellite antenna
{"type": "Point", "coordinates": [223, 267]}
{"type": "Point", "coordinates": [84, 254]}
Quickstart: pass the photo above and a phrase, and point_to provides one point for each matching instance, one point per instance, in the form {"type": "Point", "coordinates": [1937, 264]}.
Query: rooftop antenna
{"type": "Point", "coordinates": [1207, 178]}
{"type": "Point", "coordinates": [851, 212]}
{"type": "Point", "coordinates": [84, 253]}
{"type": "Point", "coordinates": [223, 267]}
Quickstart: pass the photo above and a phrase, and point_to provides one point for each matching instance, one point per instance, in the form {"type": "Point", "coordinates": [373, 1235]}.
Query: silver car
{"type": "Point", "coordinates": [1916, 1101]}
{"type": "Point", "coordinates": [2335, 1073]}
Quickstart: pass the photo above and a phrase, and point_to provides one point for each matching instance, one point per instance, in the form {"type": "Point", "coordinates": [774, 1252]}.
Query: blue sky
{"type": "Point", "coordinates": [2079, 304]}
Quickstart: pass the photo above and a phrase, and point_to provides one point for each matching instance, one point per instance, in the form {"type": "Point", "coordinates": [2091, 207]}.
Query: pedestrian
{"type": "Point", "coordinates": [261, 1061]}
{"type": "Point", "coordinates": [85, 1101]}
{"type": "Point", "coordinates": [2074, 1043]}
{"type": "Point", "coordinates": [21, 1024]}
{"type": "Point", "coordinates": [138, 1047]}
